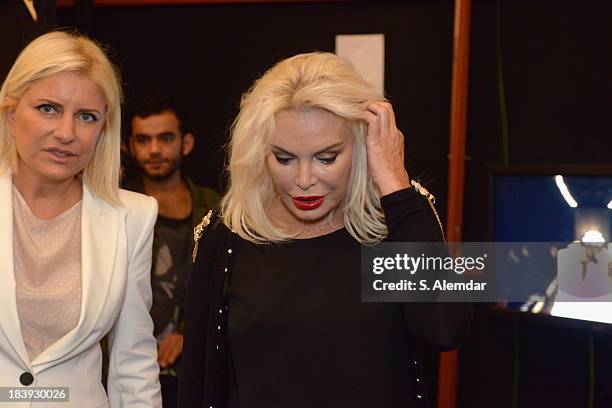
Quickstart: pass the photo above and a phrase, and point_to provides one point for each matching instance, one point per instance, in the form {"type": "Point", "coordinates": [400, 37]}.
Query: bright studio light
{"type": "Point", "coordinates": [565, 192]}
{"type": "Point", "coordinates": [610, 205]}
{"type": "Point", "coordinates": [593, 236]}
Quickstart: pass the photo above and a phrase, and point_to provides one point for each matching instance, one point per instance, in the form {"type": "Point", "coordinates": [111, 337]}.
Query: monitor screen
{"type": "Point", "coordinates": [561, 208]}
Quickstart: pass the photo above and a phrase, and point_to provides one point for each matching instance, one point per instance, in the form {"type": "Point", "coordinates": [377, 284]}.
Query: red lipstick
{"type": "Point", "coordinates": [308, 202]}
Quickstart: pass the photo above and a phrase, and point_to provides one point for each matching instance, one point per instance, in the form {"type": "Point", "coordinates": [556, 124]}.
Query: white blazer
{"type": "Point", "coordinates": [116, 297]}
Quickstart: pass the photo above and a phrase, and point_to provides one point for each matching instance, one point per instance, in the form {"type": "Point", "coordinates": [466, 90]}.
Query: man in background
{"type": "Point", "coordinates": [158, 142]}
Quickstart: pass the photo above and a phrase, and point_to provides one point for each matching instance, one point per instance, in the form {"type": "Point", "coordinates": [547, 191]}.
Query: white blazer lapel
{"type": "Point", "coordinates": [9, 319]}
{"type": "Point", "coordinates": [99, 235]}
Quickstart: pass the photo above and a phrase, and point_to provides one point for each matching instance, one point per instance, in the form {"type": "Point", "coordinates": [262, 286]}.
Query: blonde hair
{"type": "Point", "coordinates": [59, 52]}
{"type": "Point", "coordinates": [314, 80]}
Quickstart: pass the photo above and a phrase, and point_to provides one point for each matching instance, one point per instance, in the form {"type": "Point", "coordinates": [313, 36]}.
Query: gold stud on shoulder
{"type": "Point", "coordinates": [197, 233]}
{"type": "Point", "coordinates": [431, 199]}
{"type": "Point", "coordinates": [423, 191]}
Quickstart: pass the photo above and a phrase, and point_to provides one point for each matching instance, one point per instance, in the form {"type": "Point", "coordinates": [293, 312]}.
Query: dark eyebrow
{"type": "Point", "coordinates": [88, 110]}
{"type": "Point", "coordinates": [330, 147]}
{"type": "Point", "coordinates": [326, 149]}
{"type": "Point", "coordinates": [141, 135]}
{"type": "Point", "coordinates": [46, 100]}
{"type": "Point", "coordinates": [281, 150]}
{"type": "Point", "coordinates": [168, 133]}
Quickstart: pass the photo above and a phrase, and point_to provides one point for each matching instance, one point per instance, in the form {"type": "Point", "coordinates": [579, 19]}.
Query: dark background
{"type": "Point", "coordinates": [17, 28]}
{"type": "Point", "coordinates": [208, 55]}
{"type": "Point", "coordinates": [557, 76]}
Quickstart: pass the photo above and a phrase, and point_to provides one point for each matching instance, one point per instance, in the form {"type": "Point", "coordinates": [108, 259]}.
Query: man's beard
{"type": "Point", "coordinates": [174, 166]}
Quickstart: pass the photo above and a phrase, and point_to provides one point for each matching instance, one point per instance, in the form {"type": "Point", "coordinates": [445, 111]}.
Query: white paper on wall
{"type": "Point", "coordinates": [367, 54]}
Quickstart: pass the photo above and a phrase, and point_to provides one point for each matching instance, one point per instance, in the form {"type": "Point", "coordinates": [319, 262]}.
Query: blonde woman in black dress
{"type": "Point", "coordinates": [274, 317]}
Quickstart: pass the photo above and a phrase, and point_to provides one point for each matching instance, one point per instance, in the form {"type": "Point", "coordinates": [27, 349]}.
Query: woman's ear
{"type": "Point", "coordinates": [10, 105]}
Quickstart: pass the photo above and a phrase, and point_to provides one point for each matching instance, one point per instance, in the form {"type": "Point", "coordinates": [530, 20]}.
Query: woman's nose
{"type": "Point", "coordinates": [305, 177]}
{"type": "Point", "coordinates": [64, 132]}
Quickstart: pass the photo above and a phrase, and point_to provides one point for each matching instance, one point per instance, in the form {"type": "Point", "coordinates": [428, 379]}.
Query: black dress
{"type": "Point", "coordinates": [299, 336]}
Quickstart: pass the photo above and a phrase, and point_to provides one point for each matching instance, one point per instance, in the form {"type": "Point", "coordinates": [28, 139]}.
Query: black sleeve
{"type": "Point", "coordinates": [410, 218]}
{"type": "Point", "coordinates": [193, 362]}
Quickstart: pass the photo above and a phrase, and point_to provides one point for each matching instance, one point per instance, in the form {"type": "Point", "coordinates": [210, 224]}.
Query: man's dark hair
{"type": "Point", "coordinates": [156, 103]}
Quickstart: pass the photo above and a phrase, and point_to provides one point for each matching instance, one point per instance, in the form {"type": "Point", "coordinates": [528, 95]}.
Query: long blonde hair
{"type": "Point", "coordinates": [58, 52]}
{"type": "Point", "coordinates": [314, 80]}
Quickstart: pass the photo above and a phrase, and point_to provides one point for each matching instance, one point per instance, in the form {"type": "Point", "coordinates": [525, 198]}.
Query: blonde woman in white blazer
{"type": "Point", "coordinates": [75, 250]}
